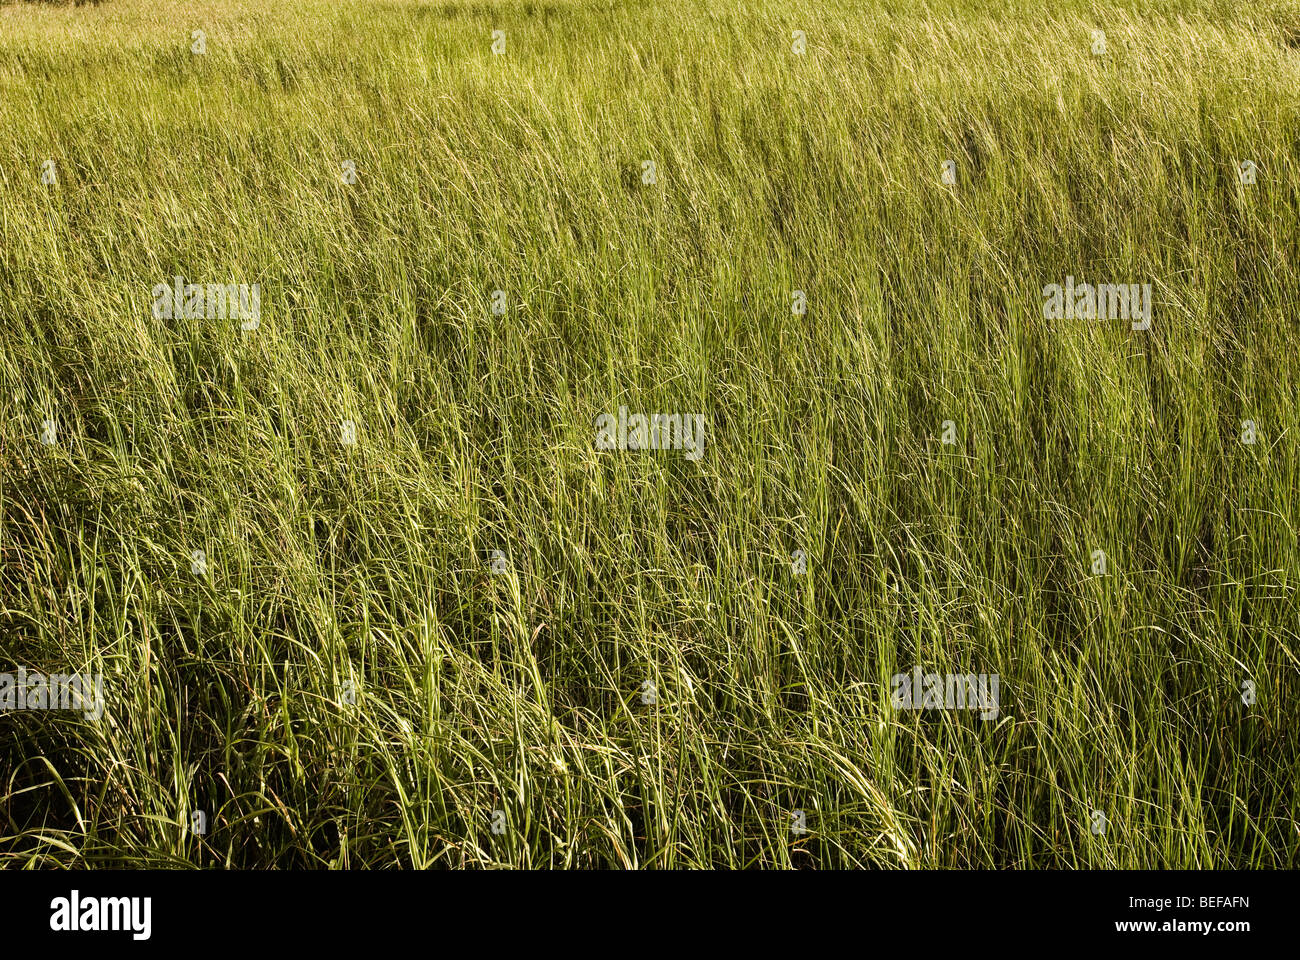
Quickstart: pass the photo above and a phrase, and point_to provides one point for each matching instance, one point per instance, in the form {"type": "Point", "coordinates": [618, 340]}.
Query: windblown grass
{"type": "Point", "coordinates": [522, 692]}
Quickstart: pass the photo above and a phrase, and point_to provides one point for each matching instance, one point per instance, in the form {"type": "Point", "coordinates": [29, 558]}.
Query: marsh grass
{"type": "Point", "coordinates": [522, 692]}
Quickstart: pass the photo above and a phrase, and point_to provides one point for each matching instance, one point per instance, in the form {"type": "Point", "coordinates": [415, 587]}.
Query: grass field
{"type": "Point", "coordinates": [672, 661]}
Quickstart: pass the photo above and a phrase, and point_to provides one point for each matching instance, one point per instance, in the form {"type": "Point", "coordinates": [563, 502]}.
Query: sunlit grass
{"type": "Point", "coordinates": [334, 569]}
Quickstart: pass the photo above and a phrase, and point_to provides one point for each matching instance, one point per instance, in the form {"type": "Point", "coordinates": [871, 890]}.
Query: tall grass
{"type": "Point", "coordinates": [334, 569]}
